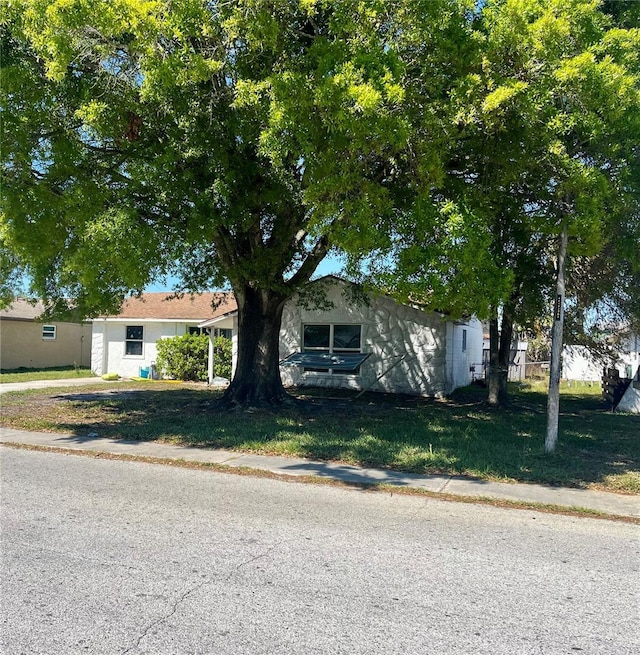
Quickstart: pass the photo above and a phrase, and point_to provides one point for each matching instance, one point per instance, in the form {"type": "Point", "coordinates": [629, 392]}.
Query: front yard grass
{"type": "Point", "coordinates": [458, 436]}
{"type": "Point", "coordinates": [54, 373]}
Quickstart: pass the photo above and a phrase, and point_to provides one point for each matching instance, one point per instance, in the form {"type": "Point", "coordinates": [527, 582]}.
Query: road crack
{"type": "Point", "coordinates": [253, 559]}
{"type": "Point", "coordinates": [164, 618]}
{"type": "Point", "coordinates": [191, 591]}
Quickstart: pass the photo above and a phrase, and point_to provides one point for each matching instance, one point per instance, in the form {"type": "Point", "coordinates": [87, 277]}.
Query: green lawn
{"type": "Point", "coordinates": [55, 373]}
{"type": "Point", "coordinates": [461, 435]}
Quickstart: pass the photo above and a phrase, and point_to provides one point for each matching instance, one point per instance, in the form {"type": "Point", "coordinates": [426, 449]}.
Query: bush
{"type": "Point", "coordinates": [222, 357]}
{"type": "Point", "coordinates": [183, 358]}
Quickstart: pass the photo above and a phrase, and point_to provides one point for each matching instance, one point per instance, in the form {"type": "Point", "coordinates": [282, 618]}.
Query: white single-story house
{"type": "Point", "coordinates": [28, 342]}
{"type": "Point", "coordinates": [579, 364]}
{"type": "Point", "coordinates": [374, 344]}
{"type": "Point", "coordinates": [126, 343]}
{"type": "Point", "coordinates": [378, 345]}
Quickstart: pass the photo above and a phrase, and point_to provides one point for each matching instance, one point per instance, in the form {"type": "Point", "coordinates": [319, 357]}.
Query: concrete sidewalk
{"type": "Point", "coordinates": [44, 384]}
{"type": "Point", "coordinates": [608, 503]}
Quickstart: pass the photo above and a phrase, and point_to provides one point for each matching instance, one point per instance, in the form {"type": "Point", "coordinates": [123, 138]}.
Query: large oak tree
{"type": "Point", "coordinates": [233, 141]}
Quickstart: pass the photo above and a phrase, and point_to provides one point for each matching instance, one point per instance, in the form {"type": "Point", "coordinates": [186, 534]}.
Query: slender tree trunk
{"type": "Point", "coordinates": [504, 352]}
{"type": "Point", "coordinates": [494, 367]}
{"type": "Point", "coordinates": [553, 402]}
{"type": "Point", "coordinates": [256, 381]}
{"type": "Point", "coordinates": [500, 356]}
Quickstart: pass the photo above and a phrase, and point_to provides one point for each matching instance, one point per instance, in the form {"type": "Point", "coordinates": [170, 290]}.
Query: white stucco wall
{"type": "Point", "coordinates": [108, 344]}
{"type": "Point", "coordinates": [389, 330]}
{"type": "Point", "coordinates": [459, 360]}
{"type": "Point", "coordinates": [579, 364]}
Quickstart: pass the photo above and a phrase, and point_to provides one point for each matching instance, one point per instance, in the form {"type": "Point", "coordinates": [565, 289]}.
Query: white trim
{"type": "Point", "coordinates": [51, 335]}
{"type": "Point", "coordinates": [196, 321]}
{"type": "Point", "coordinates": [218, 319]}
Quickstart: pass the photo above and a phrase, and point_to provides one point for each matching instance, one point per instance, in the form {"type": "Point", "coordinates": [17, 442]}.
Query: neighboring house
{"type": "Point", "coordinates": [517, 358]}
{"type": "Point", "coordinates": [380, 345]}
{"type": "Point", "coordinates": [27, 342]}
{"type": "Point", "coordinates": [579, 364]}
{"type": "Point", "coordinates": [126, 343]}
{"type": "Point", "coordinates": [630, 401]}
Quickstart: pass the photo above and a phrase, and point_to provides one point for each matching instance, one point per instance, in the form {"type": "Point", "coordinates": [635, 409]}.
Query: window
{"type": "Point", "coordinates": [133, 341]}
{"type": "Point", "coordinates": [464, 341]}
{"type": "Point", "coordinates": [217, 332]}
{"type": "Point", "coordinates": [332, 339]}
{"type": "Point", "coordinates": [49, 332]}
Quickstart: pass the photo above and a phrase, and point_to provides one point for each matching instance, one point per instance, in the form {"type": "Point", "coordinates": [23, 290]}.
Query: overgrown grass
{"type": "Point", "coordinates": [54, 373]}
{"type": "Point", "coordinates": [461, 435]}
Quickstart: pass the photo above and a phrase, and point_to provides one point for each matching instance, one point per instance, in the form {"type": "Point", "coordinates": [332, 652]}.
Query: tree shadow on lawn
{"type": "Point", "coordinates": [457, 436]}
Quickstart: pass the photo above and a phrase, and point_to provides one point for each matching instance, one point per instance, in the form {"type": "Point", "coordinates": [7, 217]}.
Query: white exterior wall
{"type": "Point", "coordinates": [630, 401]}
{"type": "Point", "coordinates": [108, 344]}
{"type": "Point", "coordinates": [389, 330]}
{"type": "Point", "coordinates": [459, 361]}
{"type": "Point", "coordinates": [579, 364]}
{"type": "Point", "coordinates": [98, 329]}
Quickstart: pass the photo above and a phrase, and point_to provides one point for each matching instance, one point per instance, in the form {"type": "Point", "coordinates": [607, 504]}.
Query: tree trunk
{"type": "Point", "coordinates": [504, 353]}
{"type": "Point", "coordinates": [500, 357]}
{"type": "Point", "coordinates": [494, 368]}
{"type": "Point", "coordinates": [256, 381]}
{"type": "Point", "coordinates": [553, 401]}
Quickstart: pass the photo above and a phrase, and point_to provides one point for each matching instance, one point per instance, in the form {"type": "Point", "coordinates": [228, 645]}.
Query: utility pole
{"type": "Point", "coordinates": [553, 401]}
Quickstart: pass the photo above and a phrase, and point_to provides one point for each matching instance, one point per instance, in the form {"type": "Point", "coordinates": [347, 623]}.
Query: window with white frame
{"type": "Point", "coordinates": [332, 338]}
{"type": "Point", "coordinates": [464, 341]}
{"type": "Point", "coordinates": [49, 332]}
{"type": "Point", "coordinates": [134, 340]}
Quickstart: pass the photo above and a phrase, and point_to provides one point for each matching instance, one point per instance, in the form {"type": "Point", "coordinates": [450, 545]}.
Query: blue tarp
{"type": "Point", "coordinates": [333, 361]}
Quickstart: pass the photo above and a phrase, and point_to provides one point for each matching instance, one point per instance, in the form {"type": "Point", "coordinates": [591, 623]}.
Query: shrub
{"type": "Point", "coordinates": [222, 357]}
{"type": "Point", "coordinates": [183, 358]}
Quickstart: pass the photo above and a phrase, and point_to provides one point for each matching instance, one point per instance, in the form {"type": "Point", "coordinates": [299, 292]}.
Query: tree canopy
{"type": "Point", "coordinates": [547, 119]}
{"type": "Point", "coordinates": [223, 142]}
{"type": "Point", "coordinates": [239, 142]}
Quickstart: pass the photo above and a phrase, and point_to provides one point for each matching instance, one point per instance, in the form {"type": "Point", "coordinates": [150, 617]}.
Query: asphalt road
{"type": "Point", "coordinates": [118, 557]}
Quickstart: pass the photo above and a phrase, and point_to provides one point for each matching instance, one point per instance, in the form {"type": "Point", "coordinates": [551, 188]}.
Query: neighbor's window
{"type": "Point", "coordinates": [464, 341]}
{"type": "Point", "coordinates": [48, 332]}
{"type": "Point", "coordinates": [332, 338]}
{"type": "Point", "coordinates": [133, 342]}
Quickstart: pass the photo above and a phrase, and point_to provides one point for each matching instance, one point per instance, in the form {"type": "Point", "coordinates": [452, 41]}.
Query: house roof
{"type": "Point", "coordinates": [22, 309]}
{"type": "Point", "coordinates": [197, 307]}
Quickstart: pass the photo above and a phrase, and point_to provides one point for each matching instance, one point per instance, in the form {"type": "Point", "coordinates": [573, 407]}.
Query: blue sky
{"type": "Point", "coordinates": [331, 264]}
